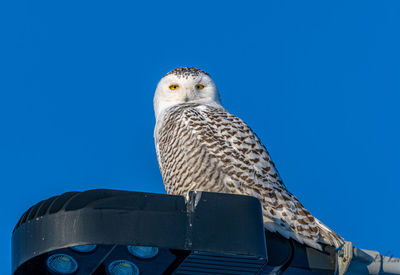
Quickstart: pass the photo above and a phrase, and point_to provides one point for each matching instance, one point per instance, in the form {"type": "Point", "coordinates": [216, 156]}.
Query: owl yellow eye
{"type": "Point", "coordinates": [174, 86]}
{"type": "Point", "coordinates": [199, 86]}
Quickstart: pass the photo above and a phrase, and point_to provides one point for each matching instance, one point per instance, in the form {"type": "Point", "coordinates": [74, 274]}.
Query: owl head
{"type": "Point", "coordinates": [185, 85]}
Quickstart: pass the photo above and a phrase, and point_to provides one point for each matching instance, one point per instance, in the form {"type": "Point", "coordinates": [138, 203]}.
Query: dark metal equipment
{"type": "Point", "coordinates": [207, 233]}
{"type": "Point", "coordinates": [111, 232]}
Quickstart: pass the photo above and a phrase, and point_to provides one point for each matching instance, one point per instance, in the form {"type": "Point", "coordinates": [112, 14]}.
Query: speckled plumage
{"type": "Point", "coordinates": [186, 72]}
{"type": "Point", "coordinates": [201, 146]}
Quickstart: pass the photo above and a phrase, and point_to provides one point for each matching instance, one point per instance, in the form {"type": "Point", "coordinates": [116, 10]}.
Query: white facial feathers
{"type": "Point", "coordinates": [185, 85]}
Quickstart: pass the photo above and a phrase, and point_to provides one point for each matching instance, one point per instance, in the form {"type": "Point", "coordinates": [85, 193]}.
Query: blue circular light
{"type": "Point", "coordinates": [84, 248]}
{"type": "Point", "coordinates": [144, 252]}
{"type": "Point", "coordinates": [123, 267]}
{"type": "Point", "coordinates": [62, 264]}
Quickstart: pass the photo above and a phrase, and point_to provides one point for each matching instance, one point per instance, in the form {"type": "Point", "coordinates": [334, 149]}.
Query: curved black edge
{"type": "Point", "coordinates": [212, 222]}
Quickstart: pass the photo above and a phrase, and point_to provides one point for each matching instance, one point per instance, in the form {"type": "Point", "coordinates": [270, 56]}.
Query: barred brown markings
{"type": "Point", "coordinates": [272, 212]}
{"type": "Point", "coordinates": [185, 138]}
{"type": "Point", "coordinates": [230, 184]}
{"type": "Point", "coordinates": [183, 181]}
{"type": "Point", "coordinates": [299, 228]}
{"type": "Point", "coordinates": [308, 230]}
{"type": "Point", "coordinates": [302, 212]}
{"type": "Point", "coordinates": [273, 175]}
{"type": "Point", "coordinates": [173, 156]}
{"type": "Point", "coordinates": [266, 169]}
{"type": "Point", "coordinates": [179, 165]}
{"type": "Point", "coordinates": [193, 151]}
{"type": "Point", "coordinates": [225, 160]}
{"type": "Point", "coordinates": [197, 162]}
{"type": "Point", "coordinates": [214, 184]}
{"type": "Point", "coordinates": [203, 155]}
{"type": "Point", "coordinates": [302, 221]}
{"type": "Point", "coordinates": [285, 198]}
{"type": "Point", "coordinates": [217, 179]}
{"type": "Point", "coordinates": [270, 195]}
{"type": "Point", "coordinates": [247, 162]}
{"type": "Point", "coordinates": [199, 175]}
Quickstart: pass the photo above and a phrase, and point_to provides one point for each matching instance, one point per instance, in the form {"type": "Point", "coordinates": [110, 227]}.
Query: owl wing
{"type": "Point", "coordinates": [206, 148]}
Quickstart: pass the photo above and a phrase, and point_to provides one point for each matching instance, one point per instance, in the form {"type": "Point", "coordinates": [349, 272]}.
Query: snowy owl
{"type": "Point", "coordinates": [200, 146]}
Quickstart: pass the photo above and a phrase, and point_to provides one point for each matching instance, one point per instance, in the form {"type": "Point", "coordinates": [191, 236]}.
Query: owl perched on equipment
{"type": "Point", "coordinates": [200, 146]}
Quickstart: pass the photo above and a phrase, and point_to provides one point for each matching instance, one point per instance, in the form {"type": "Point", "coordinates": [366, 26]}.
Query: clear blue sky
{"type": "Point", "coordinates": [318, 81]}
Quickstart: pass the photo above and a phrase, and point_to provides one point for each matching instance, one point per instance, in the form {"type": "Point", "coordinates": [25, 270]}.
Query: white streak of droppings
{"type": "Point", "coordinates": [197, 197]}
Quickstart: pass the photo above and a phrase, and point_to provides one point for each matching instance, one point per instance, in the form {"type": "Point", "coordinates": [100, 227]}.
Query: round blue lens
{"type": "Point", "coordinates": [123, 267]}
{"type": "Point", "coordinates": [62, 264]}
{"type": "Point", "coordinates": [84, 248]}
{"type": "Point", "coordinates": [144, 252]}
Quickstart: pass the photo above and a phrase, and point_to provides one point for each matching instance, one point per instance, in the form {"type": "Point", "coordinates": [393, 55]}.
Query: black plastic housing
{"type": "Point", "coordinates": [209, 229]}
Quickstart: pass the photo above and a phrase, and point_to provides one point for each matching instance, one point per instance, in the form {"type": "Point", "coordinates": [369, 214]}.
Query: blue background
{"type": "Point", "coordinates": [318, 81]}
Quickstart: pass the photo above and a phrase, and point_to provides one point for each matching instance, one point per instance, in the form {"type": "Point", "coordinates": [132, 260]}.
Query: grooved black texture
{"type": "Point", "coordinates": [208, 222]}
{"type": "Point", "coordinates": [212, 263]}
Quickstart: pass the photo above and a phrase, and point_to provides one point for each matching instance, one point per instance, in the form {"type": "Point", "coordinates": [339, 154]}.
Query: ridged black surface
{"type": "Point", "coordinates": [212, 263]}
{"type": "Point", "coordinates": [94, 199]}
{"type": "Point", "coordinates": [208, 222]}
{"type": "Point", "coordinates": [49, 206]}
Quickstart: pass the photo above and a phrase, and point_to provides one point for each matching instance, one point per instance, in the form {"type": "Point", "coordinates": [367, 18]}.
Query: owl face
{"type": "Point", "coordinates": [185, 85]}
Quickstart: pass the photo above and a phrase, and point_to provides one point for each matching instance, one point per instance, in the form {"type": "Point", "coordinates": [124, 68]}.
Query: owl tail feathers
{"type": "Point", "coordinates": [325, 236]}
{"type": "Point", "coordinates": [328, 236]}
{"type": "Point", "coordinates": [289, 234]}
{"type": "Point", "coordinates": [344, 249]}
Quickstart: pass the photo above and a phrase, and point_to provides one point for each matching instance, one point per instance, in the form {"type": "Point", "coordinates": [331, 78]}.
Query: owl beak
{"type": "Point", "coordinates": [188, 95]}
